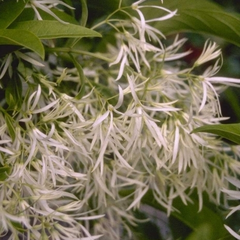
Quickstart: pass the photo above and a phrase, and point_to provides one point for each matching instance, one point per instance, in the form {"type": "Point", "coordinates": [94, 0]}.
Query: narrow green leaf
{"type": "Point", "coordinates": [81, 78]}
{"type": "Point", "coordinates": [22, 38]}
{"type": "Point", "coordinates": [84, 16]}
{"type": "Point", "coordinates": [228, 131]}
{"type": "Point", "coordinates": [9, 11]}
{"type": "Point", "coordinates": [10, 125]}
{"type": "Point", "coordinates": [18, 226]}
{"type": "Point", "coordinates": [47, 29]}
{"type": "Point", "coordinates": [199, 16]}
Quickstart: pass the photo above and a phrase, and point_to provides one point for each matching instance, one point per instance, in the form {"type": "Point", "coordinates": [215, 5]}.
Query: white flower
{"type": "Point", "coordinates": [170, 53]}
{"type": "Point", "coordinates": [132, 51]}
{"type": "Point", "coordinates": [133, 45]}
{"type": "Point", "coordinates": [152, 33]}
{"type": "Point", "coordinates": [45, 5]}
{"type": "Point", "coordinates": [210, 92]}
{"type": "Point", "coordinates": [105, 132]}
{"type": "Point", "coordinates": [210, 52]}
{"type": "Point", "coordinates": [136, 6]}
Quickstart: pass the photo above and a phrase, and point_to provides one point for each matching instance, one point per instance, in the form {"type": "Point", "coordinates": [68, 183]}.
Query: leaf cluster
{"type": "Point", "coordinates": [18, 28]}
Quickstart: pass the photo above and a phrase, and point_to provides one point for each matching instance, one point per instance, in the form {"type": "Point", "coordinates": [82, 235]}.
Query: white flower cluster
{"type": "Point", "coordinates": [78, 167]}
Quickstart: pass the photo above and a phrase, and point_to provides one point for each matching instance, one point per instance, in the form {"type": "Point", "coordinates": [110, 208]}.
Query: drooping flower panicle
{"type": "Point", "coordinates": [77, 167]}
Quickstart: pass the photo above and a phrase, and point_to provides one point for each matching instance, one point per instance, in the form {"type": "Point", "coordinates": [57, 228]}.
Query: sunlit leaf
{"type": "Point", "coordinates": [47, 29]}
{"type": "Point", "coordinates": [228, 131]}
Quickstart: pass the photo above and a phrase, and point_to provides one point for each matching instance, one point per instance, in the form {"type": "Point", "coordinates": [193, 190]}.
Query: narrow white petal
{"type": "Point", "coordinates": [232, 232]}
{"type": "Point", "coordinates": [234, 181]}
{"type": "Point", "coordinates": [6, 65]}
{"type": "Point", "coordinates": [6, 151]}
{"type": "Point", "coordinates": [29, 59]}
{"type": "Point", "coordinates": [120, 98]}
{"type": "Point", "coordinates": [43, 109]}
{"type": "Point", "coordinates": [176, 144]}
{"type": "Point", "coordinates": [37, 96]}
{"type": "Point", "coordinates": [223, 80]}
{"type": "Point", "coordinates": [138, 199]}
{"type": "Point", "coordinates": [204, 96]}
{"type": "Point", "coordinates": [100, 119]}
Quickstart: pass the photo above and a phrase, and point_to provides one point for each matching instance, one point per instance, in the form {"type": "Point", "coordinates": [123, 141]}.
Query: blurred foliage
{"type": "Point", "coordinates": [229, 5]}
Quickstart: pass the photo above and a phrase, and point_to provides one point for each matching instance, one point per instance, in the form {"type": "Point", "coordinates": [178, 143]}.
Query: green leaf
{"type": "Point", "coordinates": [26, 15]}
{"type": "Point", "coordinates": [22, 38]}
{"type": "Point", "coordinates": [4, 170]}
{"type": "Point", "coordinates": [9, 11]}
{"type": "Point", "coordinates": [18, 226]}
{"type": "Point", "coordinates": [47, 29]}
{"type": "Point", "coordinates": [190, 215]}
{"type": "Point", "coordinates": [206, 231]}
{"type": "Point", "coordinates": [228, 131]}
{"type": "Point", "coordinates": [199, 16]}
